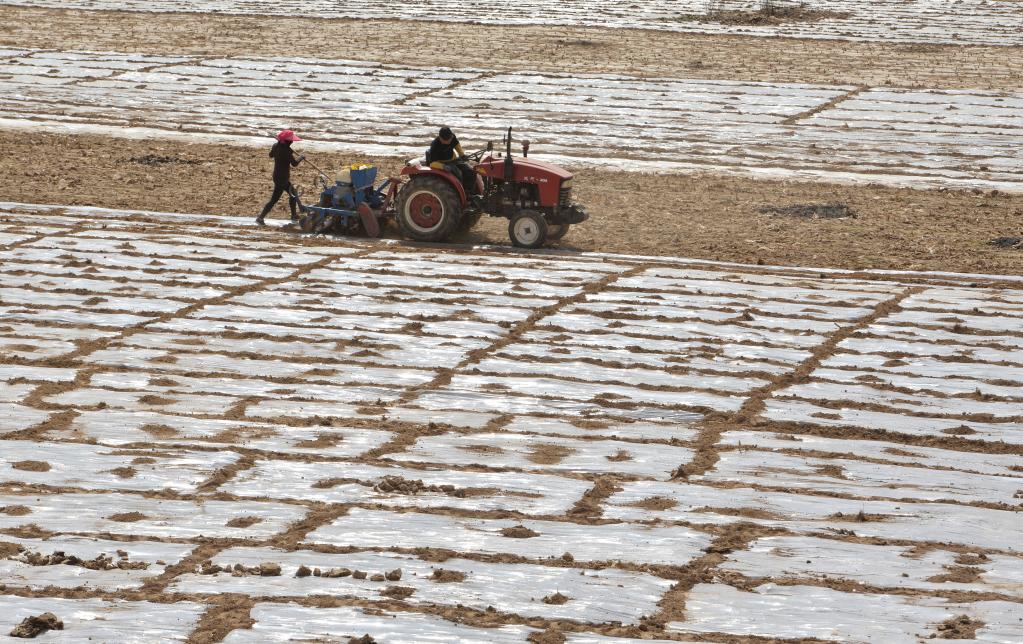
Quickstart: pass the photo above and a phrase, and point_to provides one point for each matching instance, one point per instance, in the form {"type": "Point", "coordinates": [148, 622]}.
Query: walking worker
{"type": "Point", "coordinates": [446, 154]}
{"type": "Point", "coordinates": [284, 159]}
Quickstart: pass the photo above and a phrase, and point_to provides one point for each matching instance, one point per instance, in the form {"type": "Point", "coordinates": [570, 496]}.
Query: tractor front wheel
{"type": "Point", "coordinates": [528, 229]}
{"type": "Point", "coordinates": [427, 209]}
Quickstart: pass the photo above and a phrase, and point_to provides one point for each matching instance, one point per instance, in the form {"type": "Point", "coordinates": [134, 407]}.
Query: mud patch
{"type": "Point", "coordinates": [31, 466]}
{"type": "Point", "coordinates": [548, 454]}
{"type": "Point", "coordinates": [15, 510]}
{"type": "Point", "coordinates": [959, 575]}
{"type": "Point", "coordinates": [769, 13]}
{"type": "Point", "coordinates": [810, 211]}
{"type": "Point", "coordinates": [1015, 243]}
{"type": "Point", "coordinates": [519, 532]}
{"type": "Point", "coordinates": [159, 431]}
{"type": "Point", "coordinates": [162, 159]}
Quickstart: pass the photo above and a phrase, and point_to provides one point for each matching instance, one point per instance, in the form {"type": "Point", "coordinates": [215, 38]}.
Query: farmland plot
{"type": "Point", "coordinates": [887, 135]}
{"type": "Point", "coordinates": [243, 434]}
{"type": "Point", "coordinates": [923, 21]}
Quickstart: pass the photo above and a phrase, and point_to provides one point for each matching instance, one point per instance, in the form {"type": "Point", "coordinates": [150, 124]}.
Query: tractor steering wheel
{"type": "Point", "coordinates": [475, 156]}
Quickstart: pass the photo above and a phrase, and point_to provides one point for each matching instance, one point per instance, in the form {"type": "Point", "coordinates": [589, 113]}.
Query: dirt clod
{"type": "Point", "coordinates": [398, 592]}
{"type": "Point", "coordinates": [127, 517]}
{"type": "Point", "coordinates": [655, 503]}
{"type": "Point", "coordinates": [442, 576]}
{"type": "Point", "coordinates": [519, 532]}
{"type": "Point", "coordinates": [243, 522]}
{"type": "Point", "coordinates": [960, 627]}
{"type": "Point", "coordinates": [556, 599]}
{"type": "Point", "coordinates": [37, 625]}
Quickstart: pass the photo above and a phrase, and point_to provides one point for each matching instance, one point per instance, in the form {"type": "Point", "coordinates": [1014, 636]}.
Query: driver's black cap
{"type": "Point", "coordinates": [446, 133]}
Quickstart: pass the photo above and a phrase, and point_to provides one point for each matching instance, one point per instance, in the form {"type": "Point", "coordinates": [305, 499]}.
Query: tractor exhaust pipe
{"type": "Point", "coordinates": [509, 165]}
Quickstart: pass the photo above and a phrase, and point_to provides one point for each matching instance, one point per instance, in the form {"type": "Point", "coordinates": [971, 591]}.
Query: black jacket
{"type": "Point", "coordinates": [284, 159]}
{"type": "Point", "coordinates": [444, 152]}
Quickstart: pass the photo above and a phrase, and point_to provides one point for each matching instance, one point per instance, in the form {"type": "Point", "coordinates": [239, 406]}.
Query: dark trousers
{"type": "Point", "coordinates": [280, 189]}
{"type": "Point", "coordinates": [465, 174]}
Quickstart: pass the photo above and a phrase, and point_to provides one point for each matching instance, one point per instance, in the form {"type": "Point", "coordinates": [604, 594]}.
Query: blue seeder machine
{"type": "Point", "coordinates": [352, 205]}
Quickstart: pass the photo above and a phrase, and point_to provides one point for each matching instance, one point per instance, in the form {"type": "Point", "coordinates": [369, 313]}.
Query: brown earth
{"type": "Point", "coordinates": [543, 48]}
{"type": "Point", "coordinates": [697, 216]}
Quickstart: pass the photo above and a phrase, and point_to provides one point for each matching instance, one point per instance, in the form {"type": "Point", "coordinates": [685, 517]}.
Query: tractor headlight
{"type": "Point", "coordinates": [566, 184]}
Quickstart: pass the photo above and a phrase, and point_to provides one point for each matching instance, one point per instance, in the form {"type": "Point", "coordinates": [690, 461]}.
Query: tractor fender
{"type": "Point", "coordinates": [417, 171]}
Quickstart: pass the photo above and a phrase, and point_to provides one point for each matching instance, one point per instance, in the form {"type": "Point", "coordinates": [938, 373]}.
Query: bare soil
{"type": "Point", "coordinates": [697, 216]}
{"type": "Point", "coordinates": [542, 48]}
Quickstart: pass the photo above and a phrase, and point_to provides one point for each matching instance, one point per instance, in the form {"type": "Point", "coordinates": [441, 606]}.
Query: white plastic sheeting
{"type": "Point", "coordinates": [806, 611]}
{"type": "Point", "coordinates": [98, 620]}
{"type": "Point", "coordinates": [125, 514]}
{"type": "Point", "coordinates": [886, 566]}
{"type": "Point", "coordinates": [90, 467]}
{"type": "Point", "coordinates": [360, 483]}
{"type": "Point", "coordinates": [862, 479]}
{"type": "Point", "coordinates": [290, 622]}
{"type": "Point", "coordinates": [811, 513]}
{"type": "Point", "coordinates": [549, 453]}
{"type": "Point", "coordinates": [593, 595]}
{"type": "Point", "coordinates": [668, 545]}
{"type": "Point", "coordinates": [128, 563]}
{"type": "Point", "coordinates": [117, 427]}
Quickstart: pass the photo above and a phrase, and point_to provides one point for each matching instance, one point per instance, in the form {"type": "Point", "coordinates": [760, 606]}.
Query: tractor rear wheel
{"type": "Point", "coordinates": [528, 229]}
{"type": "Point", "coordinates": [557, 231]}
{"type": "Point", "coordinates": [427, 209]}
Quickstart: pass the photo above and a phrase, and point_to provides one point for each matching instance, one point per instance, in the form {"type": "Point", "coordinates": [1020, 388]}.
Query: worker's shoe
{"type": "Point", "coordinates": [260, 221]}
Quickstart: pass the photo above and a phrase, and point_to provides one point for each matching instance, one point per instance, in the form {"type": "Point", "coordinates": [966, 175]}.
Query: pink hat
{"type": "Point", "coordinates": [287, 135]}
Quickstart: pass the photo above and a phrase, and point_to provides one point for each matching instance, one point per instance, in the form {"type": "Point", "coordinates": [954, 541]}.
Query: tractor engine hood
{"type": "Point", "coordinates": [526, 170]}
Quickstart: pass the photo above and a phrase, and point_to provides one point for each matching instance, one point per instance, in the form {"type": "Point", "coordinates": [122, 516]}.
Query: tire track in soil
{"type": "Point", "coordinates": [796, 118]}
{"type": "Point", "coordinates": [716, 424]}
{"type": "Point", "coordinates": [481, 76]}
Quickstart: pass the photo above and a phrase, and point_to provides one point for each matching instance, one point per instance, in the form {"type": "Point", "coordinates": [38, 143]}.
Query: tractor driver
{"type": "Point", "coordinates": [446, 154]}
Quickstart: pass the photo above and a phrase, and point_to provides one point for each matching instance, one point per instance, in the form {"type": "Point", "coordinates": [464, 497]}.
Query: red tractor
{"type": "Point", "coordinates": [535, 197]}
